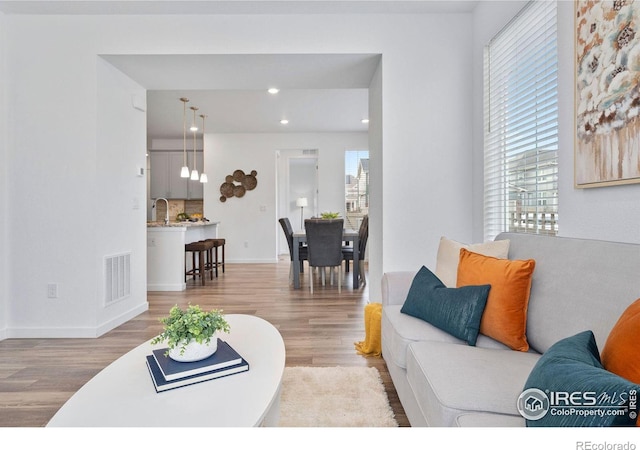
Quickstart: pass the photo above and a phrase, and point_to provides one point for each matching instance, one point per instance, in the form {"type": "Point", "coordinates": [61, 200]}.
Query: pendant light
{"type": "Point", "coordinates": [184, 173]}
{"type": "Point", "coordinates": [203, 176]}
{"type": "Point", "coordinates": [194, 128]}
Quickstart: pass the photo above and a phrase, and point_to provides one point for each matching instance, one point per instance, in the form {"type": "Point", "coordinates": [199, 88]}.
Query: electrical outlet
{"type": "Point", "coordinates": [52, 290]}
{"type": "Point", "coordinates": [246, 244]}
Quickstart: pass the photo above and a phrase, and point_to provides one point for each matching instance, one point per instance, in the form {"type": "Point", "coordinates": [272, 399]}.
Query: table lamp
{"type": "Point", "coordinates": [301, 203]}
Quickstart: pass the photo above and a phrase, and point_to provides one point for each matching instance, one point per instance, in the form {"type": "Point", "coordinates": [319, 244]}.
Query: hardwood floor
{"type": "Point", "coordinates": [38, 375]}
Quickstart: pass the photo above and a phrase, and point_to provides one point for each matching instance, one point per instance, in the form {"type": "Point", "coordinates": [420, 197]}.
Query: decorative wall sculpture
{"type": "Point", "coordinates": [237, 184]}
{"type": "Point", "coordinates": [607, 97]}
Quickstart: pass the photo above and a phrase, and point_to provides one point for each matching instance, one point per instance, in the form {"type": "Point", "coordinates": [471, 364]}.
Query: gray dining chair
{"type": "Point", "coordinates": [324, 244]}
{"type": "Point", "coordinates": [285, 223]}
{"type": "Point", "coordinates": [347, 251]}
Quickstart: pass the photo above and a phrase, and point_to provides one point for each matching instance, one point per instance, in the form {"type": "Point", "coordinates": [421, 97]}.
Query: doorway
{"type": "Point", "coordinates": [297, 180]}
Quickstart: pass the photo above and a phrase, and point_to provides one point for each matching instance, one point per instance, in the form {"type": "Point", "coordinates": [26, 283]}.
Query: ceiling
{"type": "Point", "coordinates": [318, 93]}
{"type": "Point", "coordinates": [235, 6]}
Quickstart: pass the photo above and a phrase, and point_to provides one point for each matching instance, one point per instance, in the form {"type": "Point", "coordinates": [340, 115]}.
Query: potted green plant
{"type": "Point", "coordinates": [330, 215]}
{"type": "Point", "coordinates": [191, 334]}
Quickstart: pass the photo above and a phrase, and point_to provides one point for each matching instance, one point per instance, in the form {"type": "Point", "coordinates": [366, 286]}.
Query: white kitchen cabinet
{"type": "Point", "coordinates": [165, 179]}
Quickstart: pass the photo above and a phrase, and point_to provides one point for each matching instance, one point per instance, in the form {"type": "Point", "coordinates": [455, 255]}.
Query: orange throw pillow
{"type": "Point", "coordinates": [621, 352]}
{"type": "Point", "coordinates": [505, 316]}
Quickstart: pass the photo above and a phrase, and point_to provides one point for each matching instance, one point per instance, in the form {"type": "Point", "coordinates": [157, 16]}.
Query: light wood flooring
{"type": "Point", "coordinates": [38, 375]}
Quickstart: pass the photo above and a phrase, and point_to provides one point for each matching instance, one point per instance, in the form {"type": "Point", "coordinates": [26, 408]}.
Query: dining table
{"type": "Point", "coordinates": [348, 235]}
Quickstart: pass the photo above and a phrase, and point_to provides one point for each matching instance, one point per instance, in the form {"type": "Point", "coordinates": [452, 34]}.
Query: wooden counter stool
{"type": "Point", "coordinates": [199, 265]}
{"type": "Point", "coordinates": [217, 243]}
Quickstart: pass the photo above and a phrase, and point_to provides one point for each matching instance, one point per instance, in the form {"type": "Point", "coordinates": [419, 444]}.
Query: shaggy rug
{"type": "Point", "coordinates": [334, 397]}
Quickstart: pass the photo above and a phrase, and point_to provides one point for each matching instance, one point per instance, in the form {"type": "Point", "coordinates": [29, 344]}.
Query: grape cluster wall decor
{"type": "Point", "coordinates": [238, 184]}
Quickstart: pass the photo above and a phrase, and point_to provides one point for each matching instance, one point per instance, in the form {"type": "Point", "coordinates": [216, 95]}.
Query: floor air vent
{"type": "Point", "coordinates": [118, 277]}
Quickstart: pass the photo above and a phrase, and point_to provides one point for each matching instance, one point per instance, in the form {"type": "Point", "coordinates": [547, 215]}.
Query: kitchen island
{"type": "Point", "coordinates": [165, 251]}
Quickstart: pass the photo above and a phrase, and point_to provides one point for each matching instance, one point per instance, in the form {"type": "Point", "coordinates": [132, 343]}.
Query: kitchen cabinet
{"type": "Point", "coordinates": [166, 262]}
{"type": "Point", "coordinates": [165, 179]}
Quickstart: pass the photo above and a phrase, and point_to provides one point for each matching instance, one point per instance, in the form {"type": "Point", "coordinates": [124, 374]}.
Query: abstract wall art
{"type": "Point", "coordinates": [607, 96]}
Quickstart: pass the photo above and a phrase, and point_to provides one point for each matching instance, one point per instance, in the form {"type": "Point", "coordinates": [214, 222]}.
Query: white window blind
{"type": "Point", "coordinates": [521, 124]}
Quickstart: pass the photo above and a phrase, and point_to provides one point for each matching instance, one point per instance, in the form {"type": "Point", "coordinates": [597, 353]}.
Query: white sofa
{"type": "Point", "coordinates": [441, 381]}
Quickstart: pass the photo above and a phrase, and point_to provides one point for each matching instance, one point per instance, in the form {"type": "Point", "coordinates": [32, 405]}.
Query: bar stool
{"type": "Point", "coordinates": [202, 265]}
{"type": "Point", "coordinates": [216, 243]}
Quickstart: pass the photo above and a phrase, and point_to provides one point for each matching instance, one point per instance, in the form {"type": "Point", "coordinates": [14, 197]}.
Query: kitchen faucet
{"type": "Point", "coordinates": [166, 216]}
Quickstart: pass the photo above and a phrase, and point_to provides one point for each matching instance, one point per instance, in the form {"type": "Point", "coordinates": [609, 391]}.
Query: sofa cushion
{"type": "Point", "coordinates": [450, 380]}
{"type": "Point", "coordinates": [399, 330]}
{"type": "Point", "coordinates": [601, 275]}
{"type": "Point", "coordinates": [455, 310]}
{"type": "Point", "coordinates": [571, 367]}
{"type": "Point", "coordinates": [621, 352]}
{"type": "Point", "coordinates": [505, 315]}
{"type": "Point", "coordinates": [449, 256]}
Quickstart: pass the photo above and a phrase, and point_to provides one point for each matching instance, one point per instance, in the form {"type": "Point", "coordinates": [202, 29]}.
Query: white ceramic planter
{"type": "Point", "coordinates": [194, 351]}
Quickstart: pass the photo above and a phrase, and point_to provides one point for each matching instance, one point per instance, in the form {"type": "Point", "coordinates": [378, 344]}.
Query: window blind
{"type": "Point", "coordinates": [521, 124]}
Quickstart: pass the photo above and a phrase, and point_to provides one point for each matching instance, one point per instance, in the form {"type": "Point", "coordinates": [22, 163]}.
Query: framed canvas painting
{"type": "Point", "coordinates": [607, 96]}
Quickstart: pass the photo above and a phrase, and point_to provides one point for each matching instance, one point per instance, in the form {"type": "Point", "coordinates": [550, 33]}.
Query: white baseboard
{"type": "Point", "coordinates": [122, 318]}
{"type": "Point", "coordinates": [252, 261]}
{"type": "Point", "coordinates": [75, 332]}
{"type": "Point", "coordinates": [174, 287]}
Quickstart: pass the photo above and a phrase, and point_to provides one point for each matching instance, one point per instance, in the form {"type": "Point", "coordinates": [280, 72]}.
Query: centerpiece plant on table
{"type": "Point", "coordinates": [330, 215]}
{"type": "Point", "coordinates": [191, 334]}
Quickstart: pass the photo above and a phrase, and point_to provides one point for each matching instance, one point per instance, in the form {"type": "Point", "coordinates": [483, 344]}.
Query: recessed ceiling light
{"type": "Point", "coordinates": [273, 90]}
{"type": "Point", "coordinates": [284, 121]}
{"type": "Point", "coordinates": [365, 121]}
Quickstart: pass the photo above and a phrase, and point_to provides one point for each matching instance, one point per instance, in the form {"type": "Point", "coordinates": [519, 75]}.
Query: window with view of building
{"type": "Point", "coordinates": [356, 191]}
{"type": "Point", "coordinates": [521, 124]}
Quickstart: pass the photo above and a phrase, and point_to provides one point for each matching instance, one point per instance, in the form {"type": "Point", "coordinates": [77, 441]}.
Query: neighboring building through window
{"type": "Point", "coordinates": [356, 191]}
{"type": "Point", "coordinates": [521, 124]}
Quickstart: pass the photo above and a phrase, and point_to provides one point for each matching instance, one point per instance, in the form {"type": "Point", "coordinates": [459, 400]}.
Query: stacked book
{"type": "Point", "coordinates": [169, 374]}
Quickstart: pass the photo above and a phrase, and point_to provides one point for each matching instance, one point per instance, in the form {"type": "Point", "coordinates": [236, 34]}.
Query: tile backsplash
{"type": "Point", "coordinates": [178, 206]}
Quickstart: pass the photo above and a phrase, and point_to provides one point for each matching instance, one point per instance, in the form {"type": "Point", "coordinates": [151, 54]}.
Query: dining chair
{"type": "Point", "coordinates": [347, 251]}
{"type": "Point", "coordinates": [285, 223]}
{"type": "Point", "coordinates": [324, 243]}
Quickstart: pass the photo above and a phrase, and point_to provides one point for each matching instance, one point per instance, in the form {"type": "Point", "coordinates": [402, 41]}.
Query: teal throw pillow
{"type": "Point", "coordinates": [455, 310]}
{"type": "Point", "coordinates": [568, 387]}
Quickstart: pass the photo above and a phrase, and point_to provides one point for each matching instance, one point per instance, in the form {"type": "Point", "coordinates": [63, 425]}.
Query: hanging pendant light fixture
{"type": "Point", "coordinates": [203, 176]}
{"type": "Point", "coordinates": [194, 171]}
{"type": "Point", "coordinates": [184, 173]}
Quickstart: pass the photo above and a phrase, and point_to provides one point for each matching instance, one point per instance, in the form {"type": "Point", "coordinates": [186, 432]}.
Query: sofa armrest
{"type": "Point", "coordinates": [395, 287]}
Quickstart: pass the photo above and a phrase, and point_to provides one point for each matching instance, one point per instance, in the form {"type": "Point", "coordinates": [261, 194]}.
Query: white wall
{"type": "Point", "coordinates": [250, 224]}
{"type": "Point", "coordinates": [52, 130]}
{"type": "Point", "coordinates": [377, 183]}
{"type": "Point", "coordinates": [608, 213]}
{"type": "Point", "coordinates": [76, 205]}
{"type": "Point", "coordinates": [4, 240]}
{"type": "Point", "coordinates": [120, 225]}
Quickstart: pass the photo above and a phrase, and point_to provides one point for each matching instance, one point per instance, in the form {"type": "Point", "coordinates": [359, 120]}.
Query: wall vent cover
{"type": "Point", "coordinates": [312, 151]}
{"type": "Point", "coordinates": [118, 277]}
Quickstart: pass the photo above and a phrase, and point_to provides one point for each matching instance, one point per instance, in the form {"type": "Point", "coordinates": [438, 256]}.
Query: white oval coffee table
{"type": "Point", "coordinates": [122, 394]}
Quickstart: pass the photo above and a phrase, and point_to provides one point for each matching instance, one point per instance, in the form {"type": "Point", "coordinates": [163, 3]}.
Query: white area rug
{"type": "Point", "coordinates": [334, 397]}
